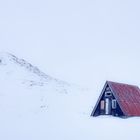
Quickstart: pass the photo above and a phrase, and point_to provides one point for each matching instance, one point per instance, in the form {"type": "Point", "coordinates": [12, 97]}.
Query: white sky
{"type": "Point", "coordinates": [80, 41]}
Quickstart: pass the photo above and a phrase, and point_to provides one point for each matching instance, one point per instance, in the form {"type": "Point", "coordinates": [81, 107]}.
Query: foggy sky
{"type": "Point", "coordinates": [84, 42]}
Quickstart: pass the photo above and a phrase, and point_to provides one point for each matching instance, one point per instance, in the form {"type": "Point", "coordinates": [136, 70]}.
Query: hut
{"type": "Point", "coordinates": [118, 99]}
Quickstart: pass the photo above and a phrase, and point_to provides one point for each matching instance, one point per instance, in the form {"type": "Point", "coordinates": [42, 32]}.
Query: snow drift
{"type": "Point", "coordinates": [36, 106]}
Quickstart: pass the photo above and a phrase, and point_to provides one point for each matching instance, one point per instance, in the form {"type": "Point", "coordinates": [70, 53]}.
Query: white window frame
{"type": "Point", "coordinates": [114, 104]}
{"type": "Point", "coordinates": [108, 94]}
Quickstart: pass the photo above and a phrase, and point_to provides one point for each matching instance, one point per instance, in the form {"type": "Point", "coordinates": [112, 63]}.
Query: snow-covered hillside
{"type": "Point", "coordinates": [25, 72]}
{"type": "Point", "coordinates": [36, 106]}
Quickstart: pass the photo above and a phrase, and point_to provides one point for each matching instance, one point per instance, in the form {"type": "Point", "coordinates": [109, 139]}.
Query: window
{"type": "Point", "coordinates": [114, 104]}
{"type": "Point", "coordinates": [108, 93]}
{"type": "Point", "coordinates": [102, 105]}
{"type": "Point", "coordinates": [107, 89]}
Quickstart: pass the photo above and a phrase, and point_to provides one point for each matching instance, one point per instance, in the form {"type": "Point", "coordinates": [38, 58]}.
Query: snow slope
{"type": "Point", "coordinates": [36, 106]}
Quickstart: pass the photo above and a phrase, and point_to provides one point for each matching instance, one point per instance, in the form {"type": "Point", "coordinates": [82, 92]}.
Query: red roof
{"type": "Point", "coordinates": [128, 97]}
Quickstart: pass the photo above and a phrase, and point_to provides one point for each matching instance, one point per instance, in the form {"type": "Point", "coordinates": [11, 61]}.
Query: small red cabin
{"type": "Point", "coordinates": [118, 99]}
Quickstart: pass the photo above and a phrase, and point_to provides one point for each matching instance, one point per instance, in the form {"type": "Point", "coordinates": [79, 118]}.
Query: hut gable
{"type": "Point", "coordinates": [118, 99]}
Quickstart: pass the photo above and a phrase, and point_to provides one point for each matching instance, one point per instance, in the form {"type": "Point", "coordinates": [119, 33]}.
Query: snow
{"type": "Point", "coordinates": [37, 106]}
{"type": "Point", "coordinates": [79, 41]}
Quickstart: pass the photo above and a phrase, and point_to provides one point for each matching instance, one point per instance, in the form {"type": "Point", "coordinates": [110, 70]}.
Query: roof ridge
{"type": "Point", "coordinates": [122, 84]}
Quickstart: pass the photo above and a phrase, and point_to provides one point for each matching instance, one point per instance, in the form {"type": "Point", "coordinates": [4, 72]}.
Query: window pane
{"type": "Point", "coordinates": [102, 105]}
{"type": "Point", "coordinates": [114, 104]}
